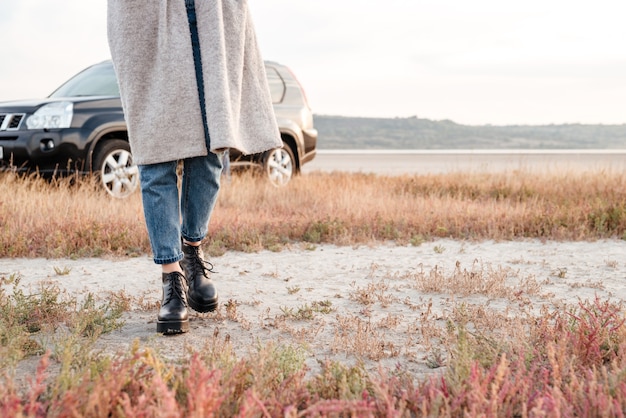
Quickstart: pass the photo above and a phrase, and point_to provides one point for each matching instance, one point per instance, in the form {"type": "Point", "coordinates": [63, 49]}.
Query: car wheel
{"type": "Point", "coordinates": [279, 165]}
{"type": "Point", "coordinates": [113, 163]}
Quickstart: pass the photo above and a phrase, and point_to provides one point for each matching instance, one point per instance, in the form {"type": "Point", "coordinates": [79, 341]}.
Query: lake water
{"type": "Point", "coordinates": [397, 162]}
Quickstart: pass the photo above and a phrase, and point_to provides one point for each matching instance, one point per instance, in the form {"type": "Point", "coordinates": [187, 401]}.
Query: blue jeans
{"type": "Point", "coordinates": [171, 215]}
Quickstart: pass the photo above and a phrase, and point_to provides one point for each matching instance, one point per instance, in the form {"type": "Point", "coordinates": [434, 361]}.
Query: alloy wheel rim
{"type": "Point", "coordinates": [120, 176]}
{"type": "Point", "coordinates": [280, 167]}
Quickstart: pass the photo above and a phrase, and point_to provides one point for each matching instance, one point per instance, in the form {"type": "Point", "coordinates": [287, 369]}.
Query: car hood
{"type": "Point", "coordinates": [31, 105]}
{"type": "Point", "coordinates": [23, 106]}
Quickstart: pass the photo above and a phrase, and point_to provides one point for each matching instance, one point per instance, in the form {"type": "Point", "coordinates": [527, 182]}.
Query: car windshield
{"type": "Point", "coordinates": [98, 80]}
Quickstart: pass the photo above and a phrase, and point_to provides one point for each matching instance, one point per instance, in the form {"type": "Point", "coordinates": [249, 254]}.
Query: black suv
{"type": "Point", "coordinates": [80, 127]}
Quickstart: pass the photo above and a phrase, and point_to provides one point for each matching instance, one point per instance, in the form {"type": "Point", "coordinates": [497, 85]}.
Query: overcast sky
{"type": "Point", "coordinates": [474, 62]}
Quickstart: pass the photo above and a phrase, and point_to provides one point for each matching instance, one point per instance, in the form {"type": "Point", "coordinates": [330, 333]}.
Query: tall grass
{"type": "Point", "coordinates": [75, 218]}
{"type": "Point", "coordinates": [70, 217]}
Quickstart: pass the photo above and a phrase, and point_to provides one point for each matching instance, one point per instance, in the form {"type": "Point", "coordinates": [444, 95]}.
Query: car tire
{"type": "Point", "coordinates": [113, 164]}
{"type": "Point", "coordinates": [279, 165]}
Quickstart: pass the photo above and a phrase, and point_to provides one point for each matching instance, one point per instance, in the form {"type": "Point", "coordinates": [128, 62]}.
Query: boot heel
{"type": "Point", "coordinates": [172, 327]}
{"type": "Point", "coordinates": [202, 307]}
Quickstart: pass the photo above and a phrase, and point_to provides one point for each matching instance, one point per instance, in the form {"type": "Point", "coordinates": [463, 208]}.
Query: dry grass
{"type": "Point", "coordinates": [71, 217]}
{"type": "Point", "coordinates": [67, 325]}
{"type": "Point", "coordinates": [477, 280]}
{"type": "Point", "coordinates": [74, 218]}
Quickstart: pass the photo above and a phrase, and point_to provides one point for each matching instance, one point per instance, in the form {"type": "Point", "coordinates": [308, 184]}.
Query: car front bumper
{"type": "Point", "coordinates": [44, 150]}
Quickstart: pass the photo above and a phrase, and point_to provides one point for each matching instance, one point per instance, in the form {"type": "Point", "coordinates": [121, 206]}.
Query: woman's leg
{"type": "Point", "coordinates": [201, 183]}
{"type": "Point", "coordinates": [159, 191]}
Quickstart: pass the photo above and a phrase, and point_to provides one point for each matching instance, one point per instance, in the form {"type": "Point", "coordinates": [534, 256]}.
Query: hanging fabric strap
{"type": "Point", "coordinates": [197, 60]}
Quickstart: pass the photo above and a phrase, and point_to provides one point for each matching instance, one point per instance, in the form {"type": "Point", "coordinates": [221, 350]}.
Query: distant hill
{"type": "Point", "coordinates": [339, 132]}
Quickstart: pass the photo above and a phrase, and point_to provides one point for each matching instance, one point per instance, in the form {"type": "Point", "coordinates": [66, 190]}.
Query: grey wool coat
{"type": "Point", "coordinates": [151, 48]}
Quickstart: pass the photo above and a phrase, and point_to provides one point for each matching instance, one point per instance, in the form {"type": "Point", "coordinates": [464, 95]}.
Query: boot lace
{"type": "Point", "coordinates": [198, 265]}
{"type": "Point", "coordinates": [176, 290]}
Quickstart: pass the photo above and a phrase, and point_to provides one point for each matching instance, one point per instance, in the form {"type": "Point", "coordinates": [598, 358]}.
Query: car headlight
{"type": "Point", "coordinates": [54, 115]}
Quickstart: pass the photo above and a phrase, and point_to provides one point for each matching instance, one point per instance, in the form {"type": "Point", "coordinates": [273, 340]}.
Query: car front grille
{"type": "Point", "coordinates": [10, 121]}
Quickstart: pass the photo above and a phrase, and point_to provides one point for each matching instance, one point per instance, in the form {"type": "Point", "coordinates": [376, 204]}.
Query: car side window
{"type": "Point", "coordinates": [276, 83]}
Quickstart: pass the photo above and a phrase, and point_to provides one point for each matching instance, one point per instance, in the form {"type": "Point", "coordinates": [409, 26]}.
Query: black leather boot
{"type": "Point", "coordinates": [173, 316]}
{"type": "Point", "coordinates": [201, 293]}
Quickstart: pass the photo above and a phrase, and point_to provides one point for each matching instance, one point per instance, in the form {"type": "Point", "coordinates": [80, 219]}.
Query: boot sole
{"type": "Point", "coordinates": [172, 327]}
{"type": "Point", "coordinates": [202, 307]}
